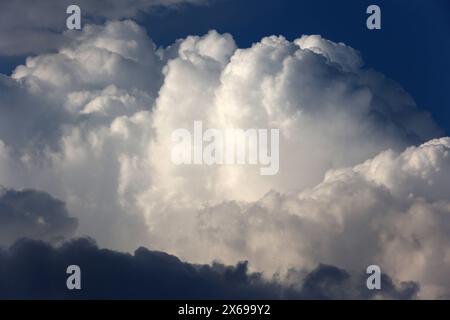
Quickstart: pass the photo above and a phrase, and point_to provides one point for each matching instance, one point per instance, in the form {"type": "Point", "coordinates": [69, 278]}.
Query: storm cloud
{"type": "Point", "coordinates": [36, 270]}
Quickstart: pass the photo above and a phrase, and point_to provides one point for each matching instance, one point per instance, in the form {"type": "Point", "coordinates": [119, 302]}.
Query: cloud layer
{"type": "Point", "coordinates": [35, 270]}
{"type": "Point", "coordinates": [362, 180]}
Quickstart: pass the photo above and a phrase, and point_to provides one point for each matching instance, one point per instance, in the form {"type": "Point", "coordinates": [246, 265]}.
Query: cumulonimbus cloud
{"type": "Point", "coordinates": [362, 180]}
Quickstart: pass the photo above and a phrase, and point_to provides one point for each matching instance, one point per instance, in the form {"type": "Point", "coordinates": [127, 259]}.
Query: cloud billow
{"type": "Point", "coordinates": [363, 172]}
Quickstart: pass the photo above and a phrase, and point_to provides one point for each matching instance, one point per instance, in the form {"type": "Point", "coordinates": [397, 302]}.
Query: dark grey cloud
{"type": "Point", "coordinates": [33, 214]}
{"type": "Point", "coordinates": [36, 26]}
{"type": "Point", "coordinates": [35, 269]}
{"type": "Point", "coordinates": [329, 282]}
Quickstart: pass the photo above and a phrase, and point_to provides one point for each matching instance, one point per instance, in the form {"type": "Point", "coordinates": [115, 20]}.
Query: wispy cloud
{"type": "Point", "coordinates": [36, 26]}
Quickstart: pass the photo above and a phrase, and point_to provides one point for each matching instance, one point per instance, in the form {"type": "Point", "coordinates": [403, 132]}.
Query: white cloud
{"type": "Point", "coordinates": [392, 210]}
{"type": "Point", "coordinates": [328, 117]}
{"type": "Point", "coordinates": [83, 114]}
{"type": "Point", "coordinates": [346, 57]}
{"type": "Point", "coordinates": [114, 100]}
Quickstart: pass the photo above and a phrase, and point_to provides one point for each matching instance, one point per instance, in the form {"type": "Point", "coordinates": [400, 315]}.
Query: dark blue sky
{"type": "Point", "coordinates": [412, 48]}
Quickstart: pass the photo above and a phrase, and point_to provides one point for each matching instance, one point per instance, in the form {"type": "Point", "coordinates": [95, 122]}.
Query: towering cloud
{"type": "Point", "coordinates": [329, 114]}
{"type": "Point", "coordinates": [358, 183]}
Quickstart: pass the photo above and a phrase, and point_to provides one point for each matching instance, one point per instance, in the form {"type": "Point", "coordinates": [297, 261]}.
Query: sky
{"type": "Point", "coordinates": [87, 119]}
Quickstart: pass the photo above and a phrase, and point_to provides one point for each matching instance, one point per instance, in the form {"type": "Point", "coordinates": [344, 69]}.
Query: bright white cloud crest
{"type": "Point", "coordinates": [351, 191]}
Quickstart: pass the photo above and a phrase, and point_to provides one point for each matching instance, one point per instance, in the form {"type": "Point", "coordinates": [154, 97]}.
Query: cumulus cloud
{"type": "Point", "coordinates": [84, 117]}
{"type": "Point", "coordinates": [33, 214]}
{"type": "Point", "coordinates": [36, 27]}
{"type": "Point", "coordinates": [358, 183]}
{"type": "Point", "coordinates": [391, 210]}
{"type": "Point", "coordinates": [320, 108]}
{"type": "Point", "coordinates": [35, 270]}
